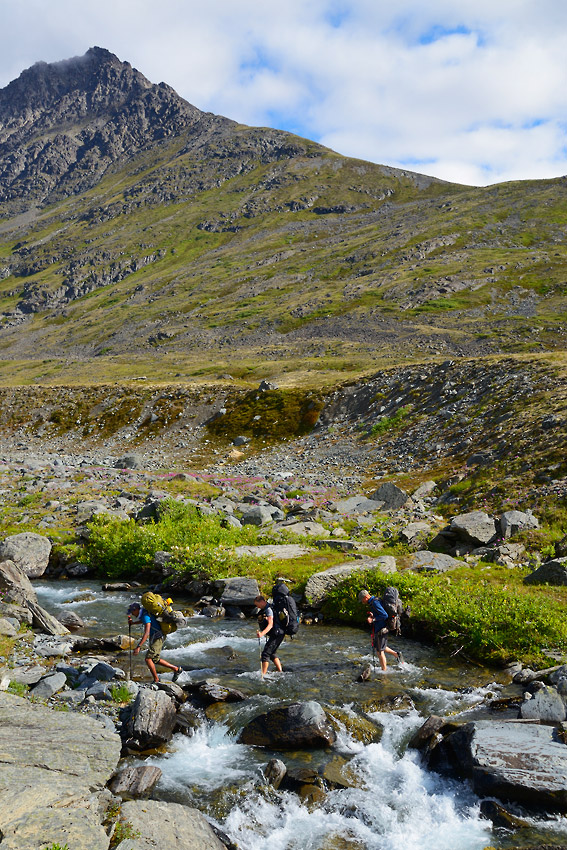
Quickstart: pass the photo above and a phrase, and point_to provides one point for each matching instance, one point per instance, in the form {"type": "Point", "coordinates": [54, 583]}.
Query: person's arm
{"type": "Point", "coordinates": [144, 638]}
{"type": "Point", "coordinates": [269, 624]}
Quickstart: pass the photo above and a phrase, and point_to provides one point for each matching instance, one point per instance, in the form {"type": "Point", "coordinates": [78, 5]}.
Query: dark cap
{"type": "Point", "coordinates": [135, 606]}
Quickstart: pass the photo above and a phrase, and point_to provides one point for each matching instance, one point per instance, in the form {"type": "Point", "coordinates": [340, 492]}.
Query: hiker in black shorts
{"type": "Point", "coordinates": [268, 626]}
{"type": "Point", "coordinates": [378, 618]}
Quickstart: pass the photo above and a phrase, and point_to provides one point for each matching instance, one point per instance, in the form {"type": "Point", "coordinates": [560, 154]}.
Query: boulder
{"type": "Point", "coordinates": [72, 621]}
{"type": "Point", "coordinates": [424, 490]}
{"type": "Point", "coordinates": [520, 762]}
{"type": "Point", "coordinates": [356, 505]}
{"type": "Point", "coordinates": [552, 572]}
{"type": "Point", "coordinates": [29, 551]}
{"type": "Point", "coordinates": [416, 533]}
{"type": "Point", "coordinates": [435, 562]}
{"type": "Point", "coordinates": [546, 705]}
{"type": "Point", "coordinates": [392, 498]}
{"type": "Point", "coordinates": [475, 527]}
{"type": "Point", "coordinates": [274, 772]}
{"type": "Point", "coordinates": [130, 461]}
{"type": "Point", "coordinates": [136, 782]}
{"type": "Point", "coordinates": [319, 584]}
{"type": "Point", "coordinates": [512, 522]}
{"type": "Point", "coordinates": [306, 529]}
{"type": "Point", "coordinates": [294, 727]}
{"type": "Point", "coordinates": [16, 612]}
{"type": "Point", "coordinates": [49, 685]}
{"type": "Point", "coordinates": [7, 629]}
{"type": "Point", "coordinates": [15, 584]}
{"type": "Point", "coordinates": [159, 824]}
{"type": "Point", "coordinates": [52, 783]}
{"type": "Point", "coordinates": [149, 721]}
{"type": "Point", "coordinates": [257, 515]}
{"type": "Point", "coordinates": [237, 591]}
{"type": "Point", "coordinates": [44, 621]}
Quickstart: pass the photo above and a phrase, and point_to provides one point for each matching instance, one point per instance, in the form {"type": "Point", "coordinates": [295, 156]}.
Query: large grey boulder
{"type": "Point", "coordinates": [150, 721]}
{"type": "Point", "coordinates": [272, 551]}
{"type": "Point", "coordinates": [238, 590]}
{"type": "Point", "coordinates": [391, 497]}
{"type": "Point", "coordinates": [29, 551]}
{"type": "Point", "coordinates": [552, 572]}
{"type": "Point", "coordinates": [306, 529]}
{"type": "Point", "coordinates": [159, 824]}
{"type": "Point", "coordinates": [356, 505]}
{"type": "Point", "coordinates": [52, 783]}
{"type": "Point", "coordinates": [521, 762]}
{"type": "Point", "coordinates": [546, 705]}
{"type": "Point", "coordinates": [49, 685]}
{"type": "Point", "coordinates": [319, 584]}
{"type": "Point", "coordinates": [136, 782]}
{"type": "Point", "coordinates": [435, 562]}
{"type": "Point", "coordinates": [475, 527]}
{"type": "Point", "coordinates": [257, 515]}
{"type": "Point", "coordinates": [302, 725]}
{"type": "Point", "coordinates": [512, 522]}
{"type": "Point", "coordinates": [15, 585]}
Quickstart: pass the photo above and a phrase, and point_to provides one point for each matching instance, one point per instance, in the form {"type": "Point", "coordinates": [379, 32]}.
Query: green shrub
{"type": "Point", "coordinates": [483, 620]}
{"type": "Point", "coordinates": [20, 689]}
{"type": "Point", "coordinates": [198, 543]}
{"type": "Point", "coordinates": [122, 831]}
{"type": "Point", "coordinates": [120, 694]}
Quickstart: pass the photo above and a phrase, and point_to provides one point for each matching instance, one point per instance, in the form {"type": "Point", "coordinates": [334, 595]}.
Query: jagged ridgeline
{"type": "Point", "coordinates": [145, 233]}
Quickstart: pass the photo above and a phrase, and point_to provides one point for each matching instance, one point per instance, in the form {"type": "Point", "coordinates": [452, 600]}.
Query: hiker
{"type": "Point", "coordinates": [269, 625]}
{"type": "Point", "coordinates": [153, 632]}
{"type": "Point", "coordinates": [378, 617]}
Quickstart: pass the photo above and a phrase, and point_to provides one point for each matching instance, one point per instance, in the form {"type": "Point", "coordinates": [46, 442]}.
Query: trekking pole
{"type": "Point", "coordinates": [130, 647]}
{"type": "Point", "coordinates": [373, 648]}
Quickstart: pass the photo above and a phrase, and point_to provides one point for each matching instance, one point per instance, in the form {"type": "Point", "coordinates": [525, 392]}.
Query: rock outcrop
{"type": "Point", "coordinates": [55, 767]}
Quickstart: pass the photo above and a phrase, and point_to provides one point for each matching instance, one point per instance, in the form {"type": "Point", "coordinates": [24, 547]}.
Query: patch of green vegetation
{"type": "Point", "coordinates": [20, 689]}
{"type": "Point", "coordinates": [120, 694]}
{"type": "Point", "coordinates": [272, 415]}
{"type": "Point", "coordinates": [488, 614]}
{"type": "Point", "coordinates": [200, 544]}
{"type": "Point", "coordinates": [390, 423]}
{"type": "Point", "coordinates": [122, 831]}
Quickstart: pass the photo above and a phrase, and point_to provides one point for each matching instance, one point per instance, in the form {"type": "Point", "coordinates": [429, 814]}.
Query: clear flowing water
{"type": "Point", "coordinates": [396, 803]}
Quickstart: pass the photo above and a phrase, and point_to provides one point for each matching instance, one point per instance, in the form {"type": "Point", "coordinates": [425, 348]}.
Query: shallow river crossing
{"type": "Point", "coordinates": [397, 803]}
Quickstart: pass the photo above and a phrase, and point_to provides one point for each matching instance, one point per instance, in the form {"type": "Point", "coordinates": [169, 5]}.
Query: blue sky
{"type": "Point", "coordinates": [474, 92]}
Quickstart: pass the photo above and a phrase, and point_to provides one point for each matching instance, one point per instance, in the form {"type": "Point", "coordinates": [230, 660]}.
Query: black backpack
{"type": "Point", "coordinates": [286, 617]}
{"type": "Point", "coordinates": [392, 605]}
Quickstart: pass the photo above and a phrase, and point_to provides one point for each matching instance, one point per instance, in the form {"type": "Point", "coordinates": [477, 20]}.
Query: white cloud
{"type": "Point", "coordinates": [475, 90]}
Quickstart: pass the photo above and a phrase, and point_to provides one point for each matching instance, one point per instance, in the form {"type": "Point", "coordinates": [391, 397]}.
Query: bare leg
{"type": "Point", "coordinates": [264, 668]}
{"type": "Point", "coordinates": [391, 651]}
{"type": "Point", "coordinates": [168, 665]}
{"type": "Point", "coordinates": [278, 664]}
{"type": "Point", "coordinates": [382, 660]}
{"type": "Point", "coordinates": [152, 669]}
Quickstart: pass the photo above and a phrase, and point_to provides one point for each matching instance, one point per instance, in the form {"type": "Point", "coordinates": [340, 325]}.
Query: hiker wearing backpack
{"type": "Point", "coordinates": [379, 618]}
{"type": "Point", "coordinates": [268, 625]}
{"type": "Point", "coordinates": [152, 633]}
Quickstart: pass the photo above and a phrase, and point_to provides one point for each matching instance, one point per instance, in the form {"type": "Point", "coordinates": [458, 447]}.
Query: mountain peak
{"type": "Point", "coordinates": [63, 124]}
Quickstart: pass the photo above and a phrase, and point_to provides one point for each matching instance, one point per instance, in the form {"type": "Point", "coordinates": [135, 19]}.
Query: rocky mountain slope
{"type": "Point", "coordinates": [141, 235]}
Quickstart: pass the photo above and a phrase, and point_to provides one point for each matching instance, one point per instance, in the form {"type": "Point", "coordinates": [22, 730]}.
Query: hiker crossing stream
{"type": "Point", "coordinates": [389, 800]}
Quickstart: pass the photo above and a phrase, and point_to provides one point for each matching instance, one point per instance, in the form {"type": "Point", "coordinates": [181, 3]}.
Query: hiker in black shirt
{"type": "Point", "coordinates": [269, 626]}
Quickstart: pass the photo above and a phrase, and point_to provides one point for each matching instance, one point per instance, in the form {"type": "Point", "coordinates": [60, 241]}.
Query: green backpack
{"type": "Point", "coordinates": [168, 619]}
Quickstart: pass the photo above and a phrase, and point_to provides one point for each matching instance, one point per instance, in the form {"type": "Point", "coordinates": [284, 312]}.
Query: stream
{"type": "Point", "coordinates": [396, 804]}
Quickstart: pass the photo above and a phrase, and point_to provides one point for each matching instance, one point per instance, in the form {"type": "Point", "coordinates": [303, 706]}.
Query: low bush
{"type": "Point", "coordinates": [119, 548]}
{"type": "Point", "coordinates": [491, 621]}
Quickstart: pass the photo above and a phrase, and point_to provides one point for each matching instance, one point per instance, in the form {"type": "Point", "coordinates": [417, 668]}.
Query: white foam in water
{"type": "Point", "coordinates": [398, 806]}
{"type": "Point", "coordinates": [444, 702]}
{"type": "Point", "coordinates": [209, 759]}
{"type": "Point", "coordinates": [198, 651]}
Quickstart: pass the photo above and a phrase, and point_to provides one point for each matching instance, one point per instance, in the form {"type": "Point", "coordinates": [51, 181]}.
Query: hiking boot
{"type": "Point", "coordinates": [400, 658]}
{"type": "Point", "coordinates": [177, 674]}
